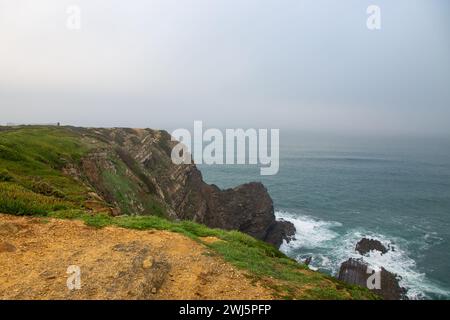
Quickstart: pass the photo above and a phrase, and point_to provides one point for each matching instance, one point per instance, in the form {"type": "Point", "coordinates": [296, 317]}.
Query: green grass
{"type": "Point", "coordinates": [41, 148]}
{"type": "Point", "coordinates": [33, 158]}
{"type": "Point", "coordinates": [16, 199]}
{"type": "Point", "coordinates": [5, 176]}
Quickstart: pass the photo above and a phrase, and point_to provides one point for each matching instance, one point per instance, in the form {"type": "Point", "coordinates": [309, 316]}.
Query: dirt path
{"type": "Point", "coordinates": [115, 263]}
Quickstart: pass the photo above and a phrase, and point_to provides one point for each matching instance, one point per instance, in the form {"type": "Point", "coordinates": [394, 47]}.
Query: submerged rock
{"type": "Point", "coordinates": [308, 261]}
{"type": "Point", "coordinates": [357, 272]}
{"type": "Point", "coordinates": [366, 245]}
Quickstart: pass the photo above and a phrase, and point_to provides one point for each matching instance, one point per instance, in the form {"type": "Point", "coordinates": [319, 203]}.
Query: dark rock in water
{"type": "Point", "coordinates": [278, 231]}
{"type": "Point", "coordinates": [308, 261]}
{"type": "Point", "coordinates": [366, 245]}
{"type": "Point", "coordinates": [356, 272]}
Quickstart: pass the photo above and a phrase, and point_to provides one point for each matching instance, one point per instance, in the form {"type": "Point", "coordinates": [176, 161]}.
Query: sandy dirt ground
{"type": "Point", "coordinates": [114, 263]}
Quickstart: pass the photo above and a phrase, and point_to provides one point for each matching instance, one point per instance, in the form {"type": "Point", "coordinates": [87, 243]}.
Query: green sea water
{"type": "Point", "coordinates": [337, 190]}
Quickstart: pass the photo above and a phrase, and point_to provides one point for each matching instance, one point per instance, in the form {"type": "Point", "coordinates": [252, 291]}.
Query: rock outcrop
{"type": "Point", "coordinates": [307, 261]}
{"type": "Point", "coordinates": [366, 245]}
{"type": "Point", "coordinates": [278, 231]}
{"type": "Point", "coordinates": [131, 170]}
{"type": "Point", "coordinates": [357, 272]}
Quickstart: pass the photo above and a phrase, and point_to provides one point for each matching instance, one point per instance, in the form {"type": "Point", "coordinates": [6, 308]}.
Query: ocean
{"type": "Point", "coordinates": [338, 189]}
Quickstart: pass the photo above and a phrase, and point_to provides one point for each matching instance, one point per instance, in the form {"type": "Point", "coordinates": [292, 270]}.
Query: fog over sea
{"type": "Point", "coordinates": [337, 190]}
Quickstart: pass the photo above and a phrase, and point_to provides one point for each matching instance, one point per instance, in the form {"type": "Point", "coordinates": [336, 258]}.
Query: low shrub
{"type": "Point", "coordinates": [17, 200]}
{"type": "Point", "coordinates": [46, 189]}
{"type": "Point", "coordinates": [5, 176]}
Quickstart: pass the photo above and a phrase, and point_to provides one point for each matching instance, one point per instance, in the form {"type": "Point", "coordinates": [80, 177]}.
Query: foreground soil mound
{"type": "Point", "coordinates": [115, 263]}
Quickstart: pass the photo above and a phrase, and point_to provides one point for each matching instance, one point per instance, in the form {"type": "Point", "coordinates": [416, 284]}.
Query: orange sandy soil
{"type": "Point", "coordinates": [115, 263]}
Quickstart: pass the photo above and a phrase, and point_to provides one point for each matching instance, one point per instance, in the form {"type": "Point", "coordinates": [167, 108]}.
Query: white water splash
{"type": "Point", "coordinates": [319, 239]}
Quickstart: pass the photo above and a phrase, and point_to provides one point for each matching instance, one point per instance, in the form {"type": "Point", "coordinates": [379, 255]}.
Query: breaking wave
{"type": "Point", "coordinates": [329, 244]}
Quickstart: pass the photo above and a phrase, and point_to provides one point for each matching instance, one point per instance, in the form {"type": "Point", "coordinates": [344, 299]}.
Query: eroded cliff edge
{"type": "Point", "coordinates": [131, 170]}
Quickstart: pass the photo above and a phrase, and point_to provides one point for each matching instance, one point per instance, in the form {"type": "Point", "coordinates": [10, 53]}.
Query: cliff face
{"type": "Point", "coordinates": [131, 170]}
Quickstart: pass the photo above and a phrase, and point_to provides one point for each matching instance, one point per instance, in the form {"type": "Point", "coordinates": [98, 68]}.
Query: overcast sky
{"type": "Point", "coordinates": [289, 64]}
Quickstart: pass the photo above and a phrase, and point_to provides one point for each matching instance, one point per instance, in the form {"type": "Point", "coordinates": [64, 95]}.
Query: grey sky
{"type": "Point", "coordinates": [307, 65]}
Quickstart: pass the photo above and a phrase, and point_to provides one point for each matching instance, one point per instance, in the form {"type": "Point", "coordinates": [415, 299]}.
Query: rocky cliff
{"type": "Point", "coordinates": [131, 171]}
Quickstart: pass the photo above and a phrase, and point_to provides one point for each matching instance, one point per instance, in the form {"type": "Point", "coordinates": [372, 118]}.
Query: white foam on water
{"type": "Point", "coordinates": [310, 232]}
{"type": "Point", "coordinates": [330, 249]}
{"type": "Point", "coordinates": [397, 260]}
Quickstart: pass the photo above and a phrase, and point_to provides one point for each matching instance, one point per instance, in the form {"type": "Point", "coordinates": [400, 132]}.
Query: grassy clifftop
{"type": "Point", "coordinates": [36, 180]}
{"type": "Point", "coordinates": [31, 177]}
{"type": "Point", "coordinates": [42, 165]}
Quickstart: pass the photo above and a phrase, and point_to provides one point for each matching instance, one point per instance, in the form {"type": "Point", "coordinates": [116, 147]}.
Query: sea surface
{"type": "Point", "coordinates": [338, 189]}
